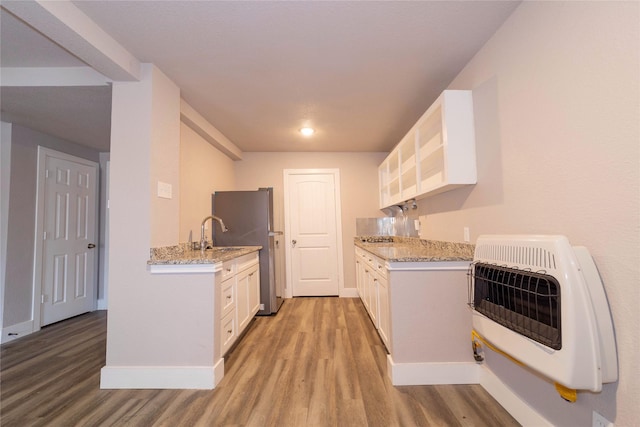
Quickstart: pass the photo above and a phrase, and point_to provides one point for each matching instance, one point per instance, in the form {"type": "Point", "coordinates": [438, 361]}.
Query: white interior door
{"type": "Point", "coordinates": [68, 262]}
{"type": "Point", "coordinates": [312, 209]}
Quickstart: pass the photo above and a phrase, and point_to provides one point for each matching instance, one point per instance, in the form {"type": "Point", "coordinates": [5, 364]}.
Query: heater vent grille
{"type": "Point", "coordinates": [531, 256]}
{"type": "Point", "coordinates": [523, 301]}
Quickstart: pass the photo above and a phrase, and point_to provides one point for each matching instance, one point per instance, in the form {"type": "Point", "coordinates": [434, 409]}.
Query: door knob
{"type": "Point", "coordinates": [91, 246]}
{"type": "Point", "coordinates": [293, 243]}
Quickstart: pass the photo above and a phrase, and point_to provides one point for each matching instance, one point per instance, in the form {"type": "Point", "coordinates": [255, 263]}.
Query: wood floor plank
{"type": "Point", "coordinates": [318, 362]}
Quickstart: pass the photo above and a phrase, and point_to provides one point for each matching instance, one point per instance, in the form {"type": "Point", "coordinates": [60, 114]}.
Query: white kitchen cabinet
{"type": "Point", "coordinates": [408, 167]}
{"type": "Point", "coordinates": [360, 272]}
{"type": "Point", "coordinates": [228, 332]}
{"type": "Point", "coordinates": [248, 295]}
{"type": "Point", "coordinates": [242, 304]}
{"type": "Point", "coordinates": [421, 315]}
{"type": "Point", "coordinates": [436, 155]}
{"type": "Point", "coordinates": [372, 283]}
{"type": "Point", "coordinates": [254, 291]}
{"type": "Point", "coordinates": [384, 320]}
{"type": "Point", "coordinates": [238, 294]}
{"type": "Point", "coordinates": [389, 172]}
{"type": "Point", "coordinates": [371, 277]}
{"type": "Point", "coordinates": [228, 300]}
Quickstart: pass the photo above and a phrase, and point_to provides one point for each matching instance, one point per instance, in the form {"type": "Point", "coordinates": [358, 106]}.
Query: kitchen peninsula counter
{"type": "Point", "coordinates": [182, 259]}
{"type": "Point", "coordinates": [416, 294]}
{"type": "Point", "coordinates": [183, 254]}
{"type": "Point", "coordinates": [202, 301]}
{"type": "Point", "coordinates": [412, 249]}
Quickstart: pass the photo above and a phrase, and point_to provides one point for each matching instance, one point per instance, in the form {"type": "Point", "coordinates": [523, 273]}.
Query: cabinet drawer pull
{"type": "Point", "coordinates": [229, 331]}
{"type": "Point", "coordinates": [228, 296]}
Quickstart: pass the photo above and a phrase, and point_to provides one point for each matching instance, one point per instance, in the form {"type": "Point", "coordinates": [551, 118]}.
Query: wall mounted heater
{"type": "Point", "coordinates": [541, 301]}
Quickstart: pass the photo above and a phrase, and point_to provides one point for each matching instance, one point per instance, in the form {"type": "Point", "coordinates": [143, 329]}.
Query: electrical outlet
{"type": "Point", "coordinates": [600, 421]}
{"type": "Point", "coordinates": [466, 234]}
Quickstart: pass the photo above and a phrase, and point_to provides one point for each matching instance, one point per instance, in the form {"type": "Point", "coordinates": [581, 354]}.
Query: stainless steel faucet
{"type": "Point", "coordinates": [203, 240]}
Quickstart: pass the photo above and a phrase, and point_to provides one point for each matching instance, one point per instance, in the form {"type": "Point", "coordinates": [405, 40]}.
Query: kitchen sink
{"type": "Point", "coordinates": [225, 248]}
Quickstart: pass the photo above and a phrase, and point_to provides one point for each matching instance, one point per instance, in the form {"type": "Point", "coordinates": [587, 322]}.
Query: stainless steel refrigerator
{"type": "Point", "coordinates": [249, 217]}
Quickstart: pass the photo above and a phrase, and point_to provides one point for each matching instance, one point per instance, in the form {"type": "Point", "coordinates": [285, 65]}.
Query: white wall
{"type": "Point", "coordinates": [556, 99]}
{"type": "Point", "coordinates": [203, 170]}
{"type": "Point", "coordinates": [358, 188]}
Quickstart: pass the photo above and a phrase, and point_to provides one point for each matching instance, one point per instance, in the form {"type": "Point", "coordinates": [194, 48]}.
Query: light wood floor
{"type": "Point", "coordinates": [318, 362]}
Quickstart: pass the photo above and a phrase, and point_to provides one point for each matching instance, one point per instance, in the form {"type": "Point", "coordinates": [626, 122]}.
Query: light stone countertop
{"type": "Point", "coordinates": [413, 249]}
{"type": "Point", "coordinates": [182, 254]}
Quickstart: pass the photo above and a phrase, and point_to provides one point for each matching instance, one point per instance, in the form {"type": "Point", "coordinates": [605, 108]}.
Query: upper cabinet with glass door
{"type": "Point", "coordinates": [438, 153]}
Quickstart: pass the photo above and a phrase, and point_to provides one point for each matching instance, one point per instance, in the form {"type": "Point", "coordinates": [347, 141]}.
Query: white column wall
{"type": "Point", "coordinates": [152, 341]}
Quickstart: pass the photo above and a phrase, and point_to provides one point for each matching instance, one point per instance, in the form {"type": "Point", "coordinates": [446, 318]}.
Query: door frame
{"type": "Point", "coordinates": [287, 224]}
{"type": "Point", "coordinates": [38, 245]}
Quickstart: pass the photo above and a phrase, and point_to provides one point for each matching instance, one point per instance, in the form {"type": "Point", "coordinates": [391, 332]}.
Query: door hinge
{"type": "Point", "coordinates": [43, 299]}
{"type": "Point", "coordinates": [44, 236]}
{"type": "Point", "coordinates": [46, 173]}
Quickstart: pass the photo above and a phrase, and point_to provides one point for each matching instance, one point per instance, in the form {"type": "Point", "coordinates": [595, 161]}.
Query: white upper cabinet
{"type": "Point", "coordinates": [438, 154]}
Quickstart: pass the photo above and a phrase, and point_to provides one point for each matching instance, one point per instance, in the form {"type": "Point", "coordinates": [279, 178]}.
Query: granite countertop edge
{"type": "Point", "coordinates": [413, 249]}
{"type": "Point", "coordinates": [182, 254]}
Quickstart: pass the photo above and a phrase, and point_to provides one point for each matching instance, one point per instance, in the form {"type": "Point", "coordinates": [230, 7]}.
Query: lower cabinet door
{"type": "Point", "coordinates": [373, 300]}
{"type": "Point", "coordinates": [228, 332]}
{"type": "Point", "coordinates": [242, 295]}
{"type": "Point", "coordinates": [254, 290]}
{"type": "Point", "coordinates": [384, 318]}
{"type": "Point", "coordinates": [248, 296]}
{"type": "Point", "coordinates": [359, 275]}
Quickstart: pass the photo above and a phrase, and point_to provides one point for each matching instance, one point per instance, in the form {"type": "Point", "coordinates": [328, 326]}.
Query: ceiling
{"type": "Point", "coordinates": [360, 73]}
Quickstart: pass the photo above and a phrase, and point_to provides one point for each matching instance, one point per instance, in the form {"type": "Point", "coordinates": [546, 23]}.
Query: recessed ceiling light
{"type": "Point", "coordinates": [307, 131]}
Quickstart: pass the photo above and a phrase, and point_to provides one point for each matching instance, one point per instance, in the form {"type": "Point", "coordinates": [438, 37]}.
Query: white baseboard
{"type": "Point", "coordinates": [466, 373]}
{"type": "Point", "coordinates": [218, 372]}
{"type": "Point", "coordinates": [102, 304]}
{"type": "Point", "coordinates": [511, 402]}
{"type": "Point", "coordinates": [349, 293]}
{"type": "Point", "coordinates": [432, 373]}
{"type": "Point", "coordinates": [19, 330]}
{"type": "Point", "coordinates": [161, 377]}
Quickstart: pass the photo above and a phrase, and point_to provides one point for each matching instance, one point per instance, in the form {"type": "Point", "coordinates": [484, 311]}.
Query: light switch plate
{"type": "Point", "coordinates": [164, 190]}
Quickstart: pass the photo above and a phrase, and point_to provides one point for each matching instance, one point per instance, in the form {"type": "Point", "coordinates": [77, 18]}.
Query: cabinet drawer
{"type": "Point", "coordinates": [228, 297]}
{"type": "Point", "coordinates": [246, 261]}
{"type": "Point", "coordinates": [227, 332]}
{"type": "Point", "coordinates": [228, 269]}
{"type": "Point", "coordinates": [374, 262]}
